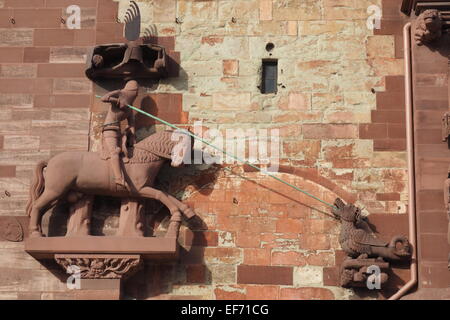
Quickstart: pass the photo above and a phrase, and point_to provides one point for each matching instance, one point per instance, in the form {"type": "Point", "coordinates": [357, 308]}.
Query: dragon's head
{"type": "Point", "coordinates": [346, 212]}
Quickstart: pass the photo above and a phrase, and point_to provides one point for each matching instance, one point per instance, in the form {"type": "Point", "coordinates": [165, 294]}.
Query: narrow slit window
{"type": "Point", "coordinates": [269, 76]}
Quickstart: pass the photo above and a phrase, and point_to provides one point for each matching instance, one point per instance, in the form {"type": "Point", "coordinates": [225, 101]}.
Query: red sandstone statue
{"type": "Point", "coordinates": [112, 136]}
{"type": "Point", "coordinates": [85, 173]}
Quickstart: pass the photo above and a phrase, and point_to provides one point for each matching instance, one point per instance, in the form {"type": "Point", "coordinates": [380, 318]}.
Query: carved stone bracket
{"type": "Point", "coordinates": [100, 266]}
{"type": "Point", "coordinates": [356, 272]}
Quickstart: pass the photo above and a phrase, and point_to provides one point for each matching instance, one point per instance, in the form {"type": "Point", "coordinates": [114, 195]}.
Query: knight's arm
{"type": "Point", "coordinates": [112, 96]}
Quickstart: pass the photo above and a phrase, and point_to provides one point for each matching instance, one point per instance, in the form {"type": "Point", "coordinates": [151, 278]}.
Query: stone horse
{"type": "Point", "coordinates": [85, 173]}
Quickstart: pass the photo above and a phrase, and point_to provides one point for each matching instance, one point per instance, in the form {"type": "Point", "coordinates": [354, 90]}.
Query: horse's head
{"type": "Point", "coordinates": [175, 146]}
{"type": "Point", "coordinates": [181, 149]}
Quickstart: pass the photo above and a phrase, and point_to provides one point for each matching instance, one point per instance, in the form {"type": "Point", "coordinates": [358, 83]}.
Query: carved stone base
{"type": "Point", "coordinates": [355, 272]}
{"type": "Point", "coordinates": [151, 248]}
{"type": "Point", "coordinates": [99, 264]}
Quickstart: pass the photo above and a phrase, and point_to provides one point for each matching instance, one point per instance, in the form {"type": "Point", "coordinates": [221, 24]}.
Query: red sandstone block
{"type": "Point", "coordinates": [434, 247]}
{"type": "Point", "coordinates": [61, 70]}
{"type": "Point", "coordinates": [434, 275]}
{"type": "Point", "coordinates": [391, 100]}
{"type": "Point", "coordinates": [395, 83]}
{"type": "Point", "coordinates": [389, 145]}
{"type": "Point", "coordinates": [229, 294]}
{"type": "Point", "coordinates": [330, 131]}
{"type": "Point", "coordinates": [433, 222]}
{"type": "Point", "coordinates": [107, 11]}
{"type": "Point", "coordinates": [306, 294]}
{"type": "Point", "coordinates": [1, 142]}
{"type": "Point", "coordinates": [321, 259]}
{"type": "Point", "coordinates": [262, 292]}
{"type": "Point", "coordinates": [7, 171]}
{"type": "Point", "coordinates": [173, 63]}
{"type": "Point", "coordinates": [429, 136]}
{"type": "Point", "coordinates": [24, 3]}
{"type": "Point", "coordinates": [37, 18]}
{"type": "Point", "coordinates": [203, 239]}
{"type": "Point", "coordinates": [63, 37]}
{"type": "Point", "coordinates": [5, 18]}
{"type": "Point", "coordinates": [291, 130]}
{"type": "Point", "coordinates": [32, 54]}
{"type": "Point", "coordinates": [287, 258]}
{"type": "Point", "coordinates": [12, 54]}
{"type": "Point", "coordinates": [41, 86]}
{"type": "Point", "coordinates": [248, 240]}
{"type": "Point", "coordinates": [84, 37]}
{"type": "Point", "coordinates": [231, 67]}
{"type": "Point", "coordinates": [195, 273]}
{"type": "Point", "coordinates": [331, 277]}
{"type": "Point", "coordinates": [397, 131]}
{"type": "Point", "coordinates": [257, 256]}
{"type": "Point", "coordinates": [390, 27]}
{"type": "Point", "coordinates": [223, 255]}
{"type": "Point", "coordinates": [66, 3]}
{"type": "Point", "coordinates": [264, 275]}
{"type": "Point", "coordinates": [290, 226]}
{"type": "Point", "coordinates": [315, 242]}
{"type": "Point", "coordinates": [388, 196]}
{"type": "Point", "coordinates": [109, 32]}
{"type": "Point", "coordinates": [166, 106]}
{"type": "Point", "coordinates": [62, 101]}
{"type": "Point", "coordinates": [388, 116]}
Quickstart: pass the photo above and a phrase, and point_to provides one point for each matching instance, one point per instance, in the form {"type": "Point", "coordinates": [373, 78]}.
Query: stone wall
{"type": "Point", "coordinates": [339, 111]}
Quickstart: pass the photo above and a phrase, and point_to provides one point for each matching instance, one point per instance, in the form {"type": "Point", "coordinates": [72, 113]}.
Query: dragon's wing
{"type": "Point", "coordinates": [364, 238]}
{"type": "Point", "coordinates": [133, 22]}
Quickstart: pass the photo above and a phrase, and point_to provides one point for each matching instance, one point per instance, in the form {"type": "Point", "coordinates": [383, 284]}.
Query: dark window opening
{"type": "Point", "coordinates": [269, 76]}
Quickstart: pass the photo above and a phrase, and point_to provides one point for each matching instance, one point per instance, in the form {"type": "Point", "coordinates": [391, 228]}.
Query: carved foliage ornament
{"type": "Point", "coordinates": [100, 267]}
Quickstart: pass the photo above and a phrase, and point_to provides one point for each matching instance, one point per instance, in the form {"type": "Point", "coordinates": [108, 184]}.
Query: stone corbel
{"type": "Point", "coordinates": [427, 27]}
{"type": "Point", "coordinates": [356, 272]}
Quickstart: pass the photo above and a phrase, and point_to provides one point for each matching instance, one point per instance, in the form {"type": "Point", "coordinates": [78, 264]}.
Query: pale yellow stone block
{"type": "Point", "coordinates": [381, 46]}
{"type": "Point", "coordinates": [265, 10]}
{"type": "Point", "coordinates": [231, 101]}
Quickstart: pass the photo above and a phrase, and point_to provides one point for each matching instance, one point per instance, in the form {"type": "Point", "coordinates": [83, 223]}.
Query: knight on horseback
{"type": "Point", "coordinates": [112, 135]}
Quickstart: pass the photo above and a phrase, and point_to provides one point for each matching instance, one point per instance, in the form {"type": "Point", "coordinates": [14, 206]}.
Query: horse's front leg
{"type": "Point", "coordinates": [175, 220]}
{"type": "Point", "coordinates": [187, 211]}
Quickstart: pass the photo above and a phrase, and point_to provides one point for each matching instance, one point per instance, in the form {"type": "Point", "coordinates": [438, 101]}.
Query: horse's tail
{"type": "Point", "coordinates": [37, 186]}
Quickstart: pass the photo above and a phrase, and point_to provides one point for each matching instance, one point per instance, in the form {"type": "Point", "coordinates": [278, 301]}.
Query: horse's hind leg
{"type": "Point", "coordinates": [44, 202]}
